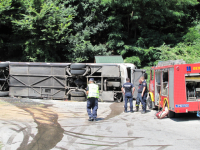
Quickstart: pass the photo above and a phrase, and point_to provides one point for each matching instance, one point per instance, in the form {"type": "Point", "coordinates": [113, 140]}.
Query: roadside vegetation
{"type": "Point", "coordinates": [142, 31]}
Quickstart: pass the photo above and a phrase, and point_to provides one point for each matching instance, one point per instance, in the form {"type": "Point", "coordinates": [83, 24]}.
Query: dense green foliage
{"type": "Point", "coordinates": [43, 27]}
{"type": "Point", "coordinates": [142, 31]}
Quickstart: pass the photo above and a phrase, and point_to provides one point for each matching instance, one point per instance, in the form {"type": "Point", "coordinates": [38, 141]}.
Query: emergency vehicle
{"type": "Point", "coordinates": [176, 85]}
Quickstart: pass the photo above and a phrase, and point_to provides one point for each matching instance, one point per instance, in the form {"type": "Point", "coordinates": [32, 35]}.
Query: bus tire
{"type": "Point", "coordinates": [77, 93]}
{"type": "Point", "coordinates": [77, 72]}
{"type": "Point", "coordinates": [78, 98]}
{"type": "Point", "coordinates": [77, 66]}
{"type": "Point", "coordinates": [4, 93]}
{"type": "Point", "coordinates": [171, 114]}
{"type": "Point", "coordinates": [4, 64]}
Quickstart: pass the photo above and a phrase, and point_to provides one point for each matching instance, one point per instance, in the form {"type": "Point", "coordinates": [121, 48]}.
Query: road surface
{"type": "Point", "coordinates": [32, 124]}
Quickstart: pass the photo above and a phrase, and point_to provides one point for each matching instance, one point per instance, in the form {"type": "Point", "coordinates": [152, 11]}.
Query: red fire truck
{"type": "Point", "coordinates": [176, 85]}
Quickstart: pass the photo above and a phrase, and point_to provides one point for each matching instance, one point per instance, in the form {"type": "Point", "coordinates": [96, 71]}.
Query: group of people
{"type": "Point", "coordinates": [127, 90]}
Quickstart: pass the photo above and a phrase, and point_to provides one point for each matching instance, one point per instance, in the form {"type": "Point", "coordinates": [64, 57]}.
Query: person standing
{"type": "Point", "coordinates": [139, 97]}
{"type": "Point", "coordinates": [143, 94]}
{"type": "Point", "coordinates": [128, 90]}
{"type": "Point", "coordinates": [92, 99]}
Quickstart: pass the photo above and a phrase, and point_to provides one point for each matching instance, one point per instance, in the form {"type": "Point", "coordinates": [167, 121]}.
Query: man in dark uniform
{"type": "Point", "coordinates": [129, 90]}
{"type": "Point", "coordinates": [92, 99]}
{"type": "Point", "coordinates": [139, 97]}
{"type": "Point", "coordinates": [143, 95]}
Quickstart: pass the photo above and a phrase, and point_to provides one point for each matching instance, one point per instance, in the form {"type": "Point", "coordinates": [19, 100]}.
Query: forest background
{"type": "Point", "coordinates": [142, 31]}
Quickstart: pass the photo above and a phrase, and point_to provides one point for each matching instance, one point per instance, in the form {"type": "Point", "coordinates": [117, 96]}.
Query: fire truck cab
{"type": "Point", "coordinates": [176, 85]}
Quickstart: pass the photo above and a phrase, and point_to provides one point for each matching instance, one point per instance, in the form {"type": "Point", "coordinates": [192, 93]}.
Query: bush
{"type": "Point", "coordinates": [134, 60]}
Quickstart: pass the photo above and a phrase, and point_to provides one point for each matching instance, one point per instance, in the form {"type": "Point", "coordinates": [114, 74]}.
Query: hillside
{"type": "Point", "coordinates": [142, 31]}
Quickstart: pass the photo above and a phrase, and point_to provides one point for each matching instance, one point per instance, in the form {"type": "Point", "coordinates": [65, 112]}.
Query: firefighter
{"type": "Point", "coordinates": [143, 95]}
{"type": "Point", "coordinates": [129, 90]}
{"type": "Point", "coordinates": [139, 97]}
{"type": "Point", "coordinates": [92, 99]}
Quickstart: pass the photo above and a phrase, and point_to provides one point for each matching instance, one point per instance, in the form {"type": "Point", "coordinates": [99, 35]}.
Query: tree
{"type": "Point", "coordinates": [66, 30]}
{"type": "Point", "coordinates": [76, 31]}
{"type": "Point", "coordinates": [44, 29]}
{"type": "Point", "coordinates": [9, 42]}
{"type": "Point", "coordinates": [137, 25]}
{"type": "Point", "coordinates": [88, 25]}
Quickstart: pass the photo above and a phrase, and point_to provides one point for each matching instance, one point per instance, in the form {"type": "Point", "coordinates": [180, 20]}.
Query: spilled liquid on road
{"type": "Point", "coordinates": [116, 109]}
{"type": "Point", "coordinates": [49, 130]}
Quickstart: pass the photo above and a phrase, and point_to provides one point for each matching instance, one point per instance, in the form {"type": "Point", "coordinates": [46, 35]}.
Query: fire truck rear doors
{"type": "Point", "coordinates": [161, 84]}
{"type": "Point", "coordinates": [164, 85]}
{"type": "Point", "coordinates": [157, 85]}
{"type": "Point", "coordinates": [171, 88]}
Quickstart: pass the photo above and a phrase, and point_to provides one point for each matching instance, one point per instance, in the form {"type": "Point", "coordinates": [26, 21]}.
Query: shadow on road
{"type": "Point", "coordinates": [182, 117]}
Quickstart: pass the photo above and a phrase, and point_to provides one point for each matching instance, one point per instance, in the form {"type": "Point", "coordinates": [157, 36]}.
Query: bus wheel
{"type": "Point", "coordinates": [171, 114]}
{"type": "Point", "coordinates": [4, 80]}
{"type": "Point", "coordinates": [77, 72]}
{"type": "Point", "coordinates": [77, 66]}
{"type": "Point", "coordinates": [77, 93]}
{"type": "Point", "coordinates": [4, 93]}
{"type": "Point", "coordinates": [78, 98]}
{"type": "Point", "coordinates": [118, 97]}
{"type": "Point", "coordinates": [119, 100]}
{"type": "Point", "coordinates": [4, 64]}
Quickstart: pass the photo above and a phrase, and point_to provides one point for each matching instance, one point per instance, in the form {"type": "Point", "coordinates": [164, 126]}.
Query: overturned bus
{"type": "Point", "coordinates": [66, 80]}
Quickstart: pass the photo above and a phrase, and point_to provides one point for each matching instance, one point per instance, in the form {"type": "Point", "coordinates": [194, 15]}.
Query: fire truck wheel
{"type": "Point", "coordinates": [78, 98]}
{"type": "Point", "coordinates": [77, 93]}
{"type": "Point", "coordinates": [77, 66]}
{"type": "Point", "coordinates": [171, 114]}
{"type": "Point", "coordinates": [77, 72]}
{"type": "Point", "coordinates": [4, 93]}
{"type": "Point", "coordinates": [4, 64]}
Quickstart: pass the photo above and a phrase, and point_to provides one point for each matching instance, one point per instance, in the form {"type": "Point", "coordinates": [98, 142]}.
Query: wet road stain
{"type": "Point", "coordinates": [49, 130]}
{"type": "Point", "coordinates": [116, 109]}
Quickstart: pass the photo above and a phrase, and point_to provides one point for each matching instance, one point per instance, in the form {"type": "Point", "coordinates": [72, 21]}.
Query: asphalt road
{"type": "Point", "coordinates": [60, 125]}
